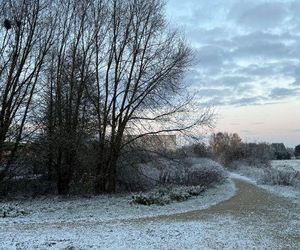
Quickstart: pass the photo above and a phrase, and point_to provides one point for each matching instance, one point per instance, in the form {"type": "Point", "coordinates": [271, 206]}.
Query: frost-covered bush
{"type": "Point", "coordinates": [166, 195]}
{"type": "Point", "coordinates": [137, 177]}
{"type": "Point", "coordinates": [284, 177]}
{"type": "Point", "coordinates": [195, 190]}
{"type": "Point", "coordinates": [250, 171]}
{"type": "Point", "coordinates": [148, 200]}
{"type": "Point", "coordinates": [145, 177]}
{"type": "Point", "coordinates": [159, 196]}
{"type": "Point", "coordinates": [11, 211]}
{"type": "Point", "coordinates": [206, 173]}
{"type": "Point", "coordinates": [161, 171]}
{"type": "Point", "coordinates": [297, 151]}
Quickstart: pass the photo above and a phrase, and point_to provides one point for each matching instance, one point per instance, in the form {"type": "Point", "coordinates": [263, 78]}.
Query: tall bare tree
{"type": "Point", "coordinates": [26, 36]}
{"type": "Point", "coordinates": [69, 77]}
{"type": "Point", "coordinates": [139, 65]}
{"type": "Point", "coordinates": [111, 67]}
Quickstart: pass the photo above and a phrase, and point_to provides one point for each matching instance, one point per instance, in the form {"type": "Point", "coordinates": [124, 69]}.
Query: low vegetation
{"type": "Point", "coordinates": [205, 172]}
{"type": "Point", "coordinates": [282, 177]}
{"type": "Point", "coordinates": [272, 175]}
{"type": "Point", "coordinates": [195, 176]}
{"type": "Point", "coordinates": [12, 211]}
{"type": "Point", "coordinates": [166, 195]}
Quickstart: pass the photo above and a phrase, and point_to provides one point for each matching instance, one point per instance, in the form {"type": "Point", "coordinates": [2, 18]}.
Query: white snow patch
{"type": "Point", "coordinates": [295, 164]}
{"type": "Point", "coordinates": [98, 223]}
{"type": "Point", "coordinates": [241, 177]}
{"type": "Point", "coordinates": [214, 233]}
{"type": "Point", "coordinates": [109, 208]}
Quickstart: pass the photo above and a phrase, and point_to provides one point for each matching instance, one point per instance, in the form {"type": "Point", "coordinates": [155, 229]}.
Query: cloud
{"type": "Point", "coordinates": [262, 49]}
{"type": "Point", "coordinates": [233, 80]}
{"type": "Point", "coordinates": [261, 16]}
{"type": "Point", "coordinates": [296, 73]}
{"type": "Point", "coordinates": [295, 10]}
{"type": "Point", "coordinates": [246, 52]}
{"type": "Point", "coordinates": [213, 92]}
{"type": "Point", "coordinates": [210, 57]}
{"type": "Point", "coordinates": [286, 68]}
{"type": "Point", "coordinates": [200, 35]}
{"type": "Point", "coordinates": [284, 92]}
{"type": "Point", "coordinates": [245, 101]}
{"type": "Point", "coordinates": [247, 131]}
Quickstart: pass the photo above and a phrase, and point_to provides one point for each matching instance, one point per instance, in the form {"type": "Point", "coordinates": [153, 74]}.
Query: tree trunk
{"type": "Point", "coordinates": [64, 177]}
{"type": "Point", "coordinates": [2, 140]}
{"type": "Point", "coordinates": [63, 184]}
{"type": "Point", "coordinates": [106, 176]}
{"type": "Point", "coordinates": [111, 179]}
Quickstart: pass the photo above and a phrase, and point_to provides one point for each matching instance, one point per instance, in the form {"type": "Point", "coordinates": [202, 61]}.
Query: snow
{"type": "Point", "coordinates": [215, 233]}
{"type": "Point", "coordinates": [284, 191]}
{"type": "Point", "coordinates": [112, 222]}
{"type": "Point", "coordinates": [241, 177]}
{"type": "Point", "coordinates": [295, 164]}
{"type": "Point", "coordinates": [108, 208]}
{"type": "Point", "coordinates": [103, 223]}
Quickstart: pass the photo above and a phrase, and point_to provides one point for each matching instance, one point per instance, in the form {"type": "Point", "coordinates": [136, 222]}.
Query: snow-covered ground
{"type": "Point", "coordinates": [229, 216]}
{"type": "Point", "coordinates": [295, 164]}
{"type": "Point", "coordinates": [252, 219]}
{"type": "Point", "coordinates": [107, 208]}
{"type": "Point", "coordinates": [216, 233]}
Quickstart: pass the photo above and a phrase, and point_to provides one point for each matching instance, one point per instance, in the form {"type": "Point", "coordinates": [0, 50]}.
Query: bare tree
{"type": "Point", "coordinates": [26, 36]}
{"type": "Point", "coordinates": [110, 67]}
{"type": "Point", "coordinates": [69, 76]}
{"type": "Point", "coordinates": [139, 66]}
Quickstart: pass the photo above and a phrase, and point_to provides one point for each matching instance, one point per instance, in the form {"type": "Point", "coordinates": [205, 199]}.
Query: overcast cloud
{"type": "Point", "coordinates": [246, 52]}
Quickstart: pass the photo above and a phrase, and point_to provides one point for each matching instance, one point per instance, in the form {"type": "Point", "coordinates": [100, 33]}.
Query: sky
{"type": "Point", "coordinates": [246, 64]}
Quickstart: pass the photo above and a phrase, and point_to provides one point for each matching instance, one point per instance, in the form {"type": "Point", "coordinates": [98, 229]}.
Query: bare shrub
{"type": "Point", "coordinates": [204, 172]}
{"type": "Point", "coordinates": [282, 177]}
{"type": "Point", "coordinates": [162, 171]}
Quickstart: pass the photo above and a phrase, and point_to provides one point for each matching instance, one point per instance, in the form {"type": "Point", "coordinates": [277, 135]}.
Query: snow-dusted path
{"type": "Point", "coordinates": [252, 219]}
